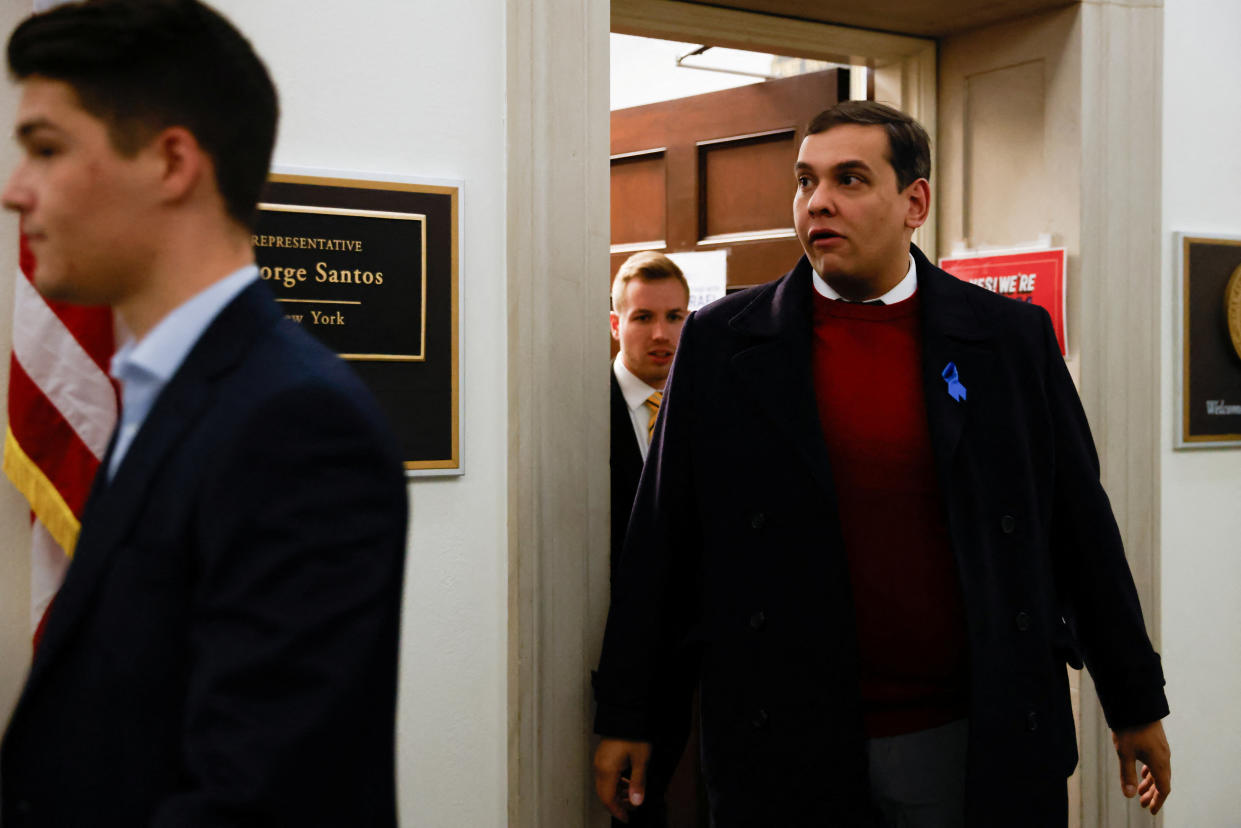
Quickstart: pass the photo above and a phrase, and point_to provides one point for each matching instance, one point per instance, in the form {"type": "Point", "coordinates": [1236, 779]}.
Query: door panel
{"type": "Point", "coordinates": [745, 184]}
{"type": "Point", "coordinates": [638, 185]}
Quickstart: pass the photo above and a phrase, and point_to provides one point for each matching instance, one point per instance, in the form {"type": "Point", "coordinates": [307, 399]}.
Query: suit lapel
{"type": "Point", "coordinates": [775, 369]}
{"type": "Point", "coordinates": [113, 506]}
{"type": "Point", "coordinates": [952, 335]}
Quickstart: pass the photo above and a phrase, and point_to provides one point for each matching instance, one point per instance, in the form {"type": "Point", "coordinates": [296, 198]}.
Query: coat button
{"type": "Point", "coordinates": [1023, 621]}
{"type": "Point", "coordinates": [1008, 524]}
{"type": "Point", "coordinates": [758, 620]}
{"type": "Point", "coordinates": [760, 719]}
{"type": "Point", "coordinates": [1031, 721]}
{"type": "Point", "coordinates": [758, 520]}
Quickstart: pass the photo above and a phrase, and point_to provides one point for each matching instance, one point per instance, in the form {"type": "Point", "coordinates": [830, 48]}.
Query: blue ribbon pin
{"type": "Point", "coordinates": [955, 389]}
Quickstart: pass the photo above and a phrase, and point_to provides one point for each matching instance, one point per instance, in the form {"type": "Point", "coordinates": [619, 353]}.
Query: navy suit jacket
{"type": "Point", "coordinates": [223, 651]}
{"type": "Point", "coordinates": [734, 563]}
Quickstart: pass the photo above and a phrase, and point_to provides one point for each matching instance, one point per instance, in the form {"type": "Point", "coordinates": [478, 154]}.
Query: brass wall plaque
{"type": "Point", "coordinates": [370, 268]}
{"type": "Point", "coordinates": [1209, 385]}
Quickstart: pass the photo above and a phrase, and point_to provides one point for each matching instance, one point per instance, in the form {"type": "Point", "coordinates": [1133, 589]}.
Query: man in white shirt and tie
{"type": "Point", "coordinates": [650, 299]}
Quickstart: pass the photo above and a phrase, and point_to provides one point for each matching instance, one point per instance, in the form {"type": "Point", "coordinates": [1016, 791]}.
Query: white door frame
{"type": "Point", "coordinates": [558, 240]}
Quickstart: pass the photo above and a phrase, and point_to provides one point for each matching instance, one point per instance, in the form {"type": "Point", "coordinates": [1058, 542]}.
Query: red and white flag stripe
{"type": "Point", "coordinates": [62, 408]}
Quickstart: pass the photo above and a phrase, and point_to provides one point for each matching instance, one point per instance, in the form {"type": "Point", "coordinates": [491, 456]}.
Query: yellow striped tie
{"type": "Point", "coordinates": [652, 402]}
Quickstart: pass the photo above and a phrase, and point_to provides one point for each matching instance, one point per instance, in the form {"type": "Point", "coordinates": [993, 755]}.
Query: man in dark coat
{"type": "Point", "coordinates": [223, 650]}
{"type": "Point", "coordinates": [872, 521]}
{"type": "Point", "coordinates": [650, 299]}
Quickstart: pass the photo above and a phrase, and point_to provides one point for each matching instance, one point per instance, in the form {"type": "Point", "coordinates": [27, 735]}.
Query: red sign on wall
{"type": "Point", "coordinates": [1036, 277]}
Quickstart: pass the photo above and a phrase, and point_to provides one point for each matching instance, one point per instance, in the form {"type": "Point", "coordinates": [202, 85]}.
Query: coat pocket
{"type": "Point", "coordinates": [1064, 644]}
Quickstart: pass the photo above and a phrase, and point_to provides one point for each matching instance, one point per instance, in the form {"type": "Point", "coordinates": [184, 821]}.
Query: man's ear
{"type": "Point", "coordinates": [615, 319]}
{"type": "Point", "coordinates": [919, 206]}
{"type": "Point", "coordinates": [182, 162]}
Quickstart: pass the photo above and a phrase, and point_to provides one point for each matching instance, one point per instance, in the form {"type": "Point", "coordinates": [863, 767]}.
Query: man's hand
{"type": "Point", "coordinates": [1147, 744]}
{"type": "Point", "coordinates": [613, 759]}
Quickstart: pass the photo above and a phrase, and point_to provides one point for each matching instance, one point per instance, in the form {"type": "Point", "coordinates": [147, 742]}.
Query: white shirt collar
{"type": "Point", "coordinates": [905, 288]}
{"type": "Point", "coordinates": [634, 390]}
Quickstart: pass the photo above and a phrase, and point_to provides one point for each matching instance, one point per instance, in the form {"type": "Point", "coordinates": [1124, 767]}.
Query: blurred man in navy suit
{"type": "Point", "coordinates": [223, 651]}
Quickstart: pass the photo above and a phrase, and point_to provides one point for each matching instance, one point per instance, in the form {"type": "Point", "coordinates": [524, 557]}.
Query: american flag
{"type": "Point", "coordinates": [62, 408]}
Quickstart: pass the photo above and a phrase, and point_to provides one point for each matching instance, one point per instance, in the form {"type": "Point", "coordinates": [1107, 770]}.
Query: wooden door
{"type": "Point", "coordinates": [715, 171]}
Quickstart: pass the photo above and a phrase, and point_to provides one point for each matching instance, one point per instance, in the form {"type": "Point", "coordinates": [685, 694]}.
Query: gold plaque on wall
{"type": "Point", "coordinates": [369, 266]}
{"type": "Point", "coordinates": [1209, 337]}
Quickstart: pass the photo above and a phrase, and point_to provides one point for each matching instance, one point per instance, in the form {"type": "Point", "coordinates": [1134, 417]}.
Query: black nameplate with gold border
{"type": "Point", "coordinates": [1209, 381]}
{"type": "Point", "coordinates": [370, 268]}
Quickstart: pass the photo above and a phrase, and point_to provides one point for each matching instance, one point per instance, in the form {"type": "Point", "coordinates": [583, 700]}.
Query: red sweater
{"type": "Point", "coordinates": [912, 643]}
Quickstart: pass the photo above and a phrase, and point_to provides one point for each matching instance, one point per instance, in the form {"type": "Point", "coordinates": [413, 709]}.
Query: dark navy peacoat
{"type": "Point", "coordinates": [733, 563]}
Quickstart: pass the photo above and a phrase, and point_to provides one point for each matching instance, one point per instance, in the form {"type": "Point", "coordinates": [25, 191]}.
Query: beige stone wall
{"type": "Point", "coordinates": [1009, 160]}
{"type": "Point", "coordinates": [1200, 523]}
{"type": "Point", "coordinates": [1009, 154]}
{"type": "Point", "coordinates": [1049, 124]}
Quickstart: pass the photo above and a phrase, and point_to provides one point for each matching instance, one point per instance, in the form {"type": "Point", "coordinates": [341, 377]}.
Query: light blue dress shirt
{"type": "Point", "coordinates": [144, 366]}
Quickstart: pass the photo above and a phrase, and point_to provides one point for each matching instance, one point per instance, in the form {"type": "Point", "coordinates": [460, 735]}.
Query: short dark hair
{"type": "Point", "coordinates": [649, 266]}
{"type": "Point", "coordinates": [909, 146]}
{"type": "Point", "coordinates": [144, 65]}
